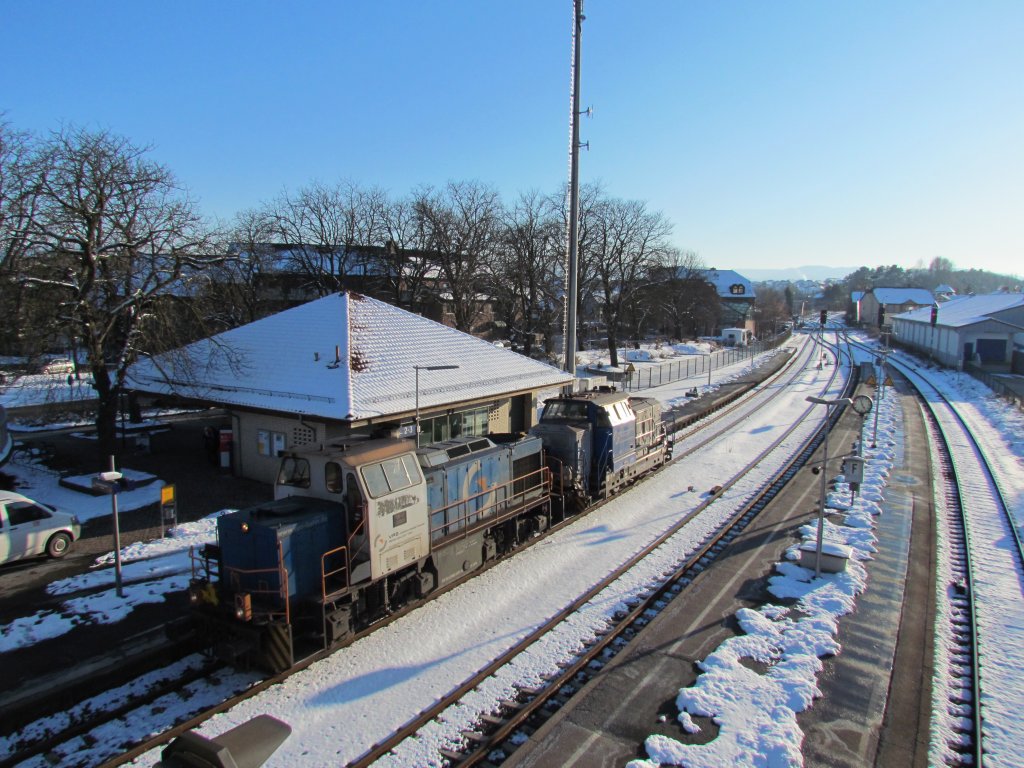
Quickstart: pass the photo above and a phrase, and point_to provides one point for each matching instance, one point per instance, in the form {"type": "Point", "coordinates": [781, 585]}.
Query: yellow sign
{"type": "Point", "coordinates": [872, 382]}
{"type": "Point", "coordinates": [888, 381]}
{"type": "Point", "coordinates": [167, 494]}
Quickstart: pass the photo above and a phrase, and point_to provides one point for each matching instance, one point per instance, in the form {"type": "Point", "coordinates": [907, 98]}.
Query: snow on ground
{"type": "Point", "coordinates": [42, 484]}
{"type": "Point", "coordinates": [756, 712]}
{"type": "Point", "coordinates": [150, 569]}
{"type": "Point", "coordinates": [356, 696]}
{"type": "Point", "coordinates": [46, 388]}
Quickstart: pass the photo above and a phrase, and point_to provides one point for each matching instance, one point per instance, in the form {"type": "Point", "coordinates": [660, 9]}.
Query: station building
{"type": "Point", "coordinates": [986, 330]}
{"type": "Point", "coordinates": [348, 365]}
{"type": "Point", "coordinates": [736, 297]}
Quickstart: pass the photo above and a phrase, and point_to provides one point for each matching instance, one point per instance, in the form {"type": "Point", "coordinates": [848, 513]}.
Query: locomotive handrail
{"type": "Point", "coordinates": [234, 579]}
{"type": "Point", "coordinates": [200, 560]}
{"type": "Point", "coordinates": [325, 574]}
{"type": "Point", "coordinates": [513, 502]}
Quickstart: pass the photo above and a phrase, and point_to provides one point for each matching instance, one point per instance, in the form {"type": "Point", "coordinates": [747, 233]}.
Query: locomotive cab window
{"type": "Point", "coordinates": [391, 475]}
{"type": "Point", "coordinates": [332, 477]}
{"type": "Point", "coordinates": [294, 472]}
{"type": "Point", "coordinates": [565, 409]}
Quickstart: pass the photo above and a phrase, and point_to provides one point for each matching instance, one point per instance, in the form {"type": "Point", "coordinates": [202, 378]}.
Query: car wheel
{"type": "Point", "coordinates": [58, 545]}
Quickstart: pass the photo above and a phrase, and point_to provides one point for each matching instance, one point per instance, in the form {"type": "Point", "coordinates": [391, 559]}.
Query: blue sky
{"type": "Point", "coordinates": [772, 134]}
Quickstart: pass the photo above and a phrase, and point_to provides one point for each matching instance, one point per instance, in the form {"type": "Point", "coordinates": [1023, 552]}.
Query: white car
{"type": "Point", "coordinates": [29, 528]}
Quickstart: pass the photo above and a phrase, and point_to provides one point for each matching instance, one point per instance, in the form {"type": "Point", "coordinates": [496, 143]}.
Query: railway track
{"type": "Point", "coordinates": [92, 737]}
{"type": "Point", "coordinates": [75, 737]}
{"type": "Point", "coordinates": [982, 597]}
{"type": "Point", "coordinates": [497, 733]}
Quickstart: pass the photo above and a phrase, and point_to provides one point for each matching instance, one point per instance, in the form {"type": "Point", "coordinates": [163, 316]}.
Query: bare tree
{"type": "Point", "coordinates": [460, 222]}
{"type": "Point", "coordinates": [403, 263]}
{"type": "Point", "coordinates": [629, 241]}
{"type": "Point", "coordinates": [113, 238]}
{"type": "Point", "coordinates": [235, 287]}
{"type": "Point", "coordinates": [686, 302]}
{"type": "Point", "coordinates": [587, 282]}
{"type": "Point", "coordinates": [18, 200]}
{"type": "Point", "coordinates": [770, 310]}
{"type": "Point", "coordinates": [321, 227]}
{"type": "Point", "coordinates": [524, 270]}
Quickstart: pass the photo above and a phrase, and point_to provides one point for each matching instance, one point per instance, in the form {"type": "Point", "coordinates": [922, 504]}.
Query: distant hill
{"type": "Point", "coordinates": [797, 273]}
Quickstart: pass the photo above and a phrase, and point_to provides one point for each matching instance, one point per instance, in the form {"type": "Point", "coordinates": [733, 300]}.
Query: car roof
{"type": "Point", "coordinates": [12, 496]}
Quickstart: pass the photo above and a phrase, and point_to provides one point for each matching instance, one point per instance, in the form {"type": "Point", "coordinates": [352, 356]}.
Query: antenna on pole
{"type": "Point", "coordinates": [572, 267]}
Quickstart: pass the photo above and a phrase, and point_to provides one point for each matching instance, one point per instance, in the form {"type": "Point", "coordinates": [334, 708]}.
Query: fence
{"type": "Point", "coordinates": [1010, 390]}
{"type": "Point", "coordinates": [999, 386]}
{"type": "Point", "coordinates": [703, 365]}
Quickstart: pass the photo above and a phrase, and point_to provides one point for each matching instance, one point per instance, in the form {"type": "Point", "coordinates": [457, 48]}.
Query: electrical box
{"type": "Point", "coordinates": [853, 469]}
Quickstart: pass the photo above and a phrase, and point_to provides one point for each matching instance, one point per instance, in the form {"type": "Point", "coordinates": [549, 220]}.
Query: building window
{"type": "Point", "coordinates": [269, 443]}
{"type": "Point", "coordinates": [738, 289]}
{"type": "Point", "coordinates": [472, 422]}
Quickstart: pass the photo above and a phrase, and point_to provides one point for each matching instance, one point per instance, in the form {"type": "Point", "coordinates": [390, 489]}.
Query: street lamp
{"type": "Point", "coordinates": [110, 482]}
{"type": "Point", "coordinates": [418, 368]}
{"type": "Point", "coordinates": [880, 391]}
{"type": "Point", "coordinates": [824, 472]}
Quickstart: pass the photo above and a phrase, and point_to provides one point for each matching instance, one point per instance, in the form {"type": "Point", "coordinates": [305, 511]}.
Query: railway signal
{"type": "Point", "coordinates": [824, 473]}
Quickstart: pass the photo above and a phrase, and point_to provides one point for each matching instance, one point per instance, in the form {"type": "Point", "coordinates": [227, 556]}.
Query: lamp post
{"type": "Point", "coordinates": [880, 390]}
{"type": "Point", "coordinates": [109, 482]}
{"type": "Point", "coordinates": [824, 472]}
{"type": "Point", "coordinates": [418, 368]}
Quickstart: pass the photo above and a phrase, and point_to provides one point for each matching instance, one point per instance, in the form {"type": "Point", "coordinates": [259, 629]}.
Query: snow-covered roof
{"type": "Point", "coordinates": [944, 288]}
{"type": "Point", "coordinates": [856, 296]}
{"type": "Point", "coordinates": [967, 310]}
{"type": "Point", "coordinates": [903, 295]}
{"type": "Point", "coordinates": [726, 282]}
{"type": "Point", "coordinates": [346, 357]}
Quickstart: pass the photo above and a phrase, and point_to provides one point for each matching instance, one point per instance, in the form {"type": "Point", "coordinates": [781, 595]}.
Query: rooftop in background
{"type": "Point", "coordinates": [729, 284]}
{"type": "Point", "coordinates": [902, 295]}
{"type": "Point", "coordinates": [346, 357]}
{"type": "Point", "coordinates": [967, 310]}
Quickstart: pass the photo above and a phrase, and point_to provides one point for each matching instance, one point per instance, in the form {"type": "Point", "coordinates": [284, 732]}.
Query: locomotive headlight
{"type": "Point", "coordinates": [243, 606]}
{"type": "Point", "coordinates": [245, 527]}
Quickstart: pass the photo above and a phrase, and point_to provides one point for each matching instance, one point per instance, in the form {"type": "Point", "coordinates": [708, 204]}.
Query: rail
{"type": "Point", "coordinates": [951, 430]}
{"type": "Point", "coordinates": [490, 736]}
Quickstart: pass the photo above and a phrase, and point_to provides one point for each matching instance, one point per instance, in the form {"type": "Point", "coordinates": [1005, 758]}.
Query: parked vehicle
{"type": "Point", "coordinates": [30, 528]}
{"type": "Point", "coordinates": [736, 337]}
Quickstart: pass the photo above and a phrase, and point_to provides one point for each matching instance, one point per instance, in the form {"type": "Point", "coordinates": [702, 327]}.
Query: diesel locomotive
{"type": "Point", "coordinates": [359, 528]}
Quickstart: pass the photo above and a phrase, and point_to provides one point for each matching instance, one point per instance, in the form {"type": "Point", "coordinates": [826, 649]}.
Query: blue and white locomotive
{"type": "Point", "coordinates": [358, 529]}
{"type": "Point", "coordinates": [601, 441]}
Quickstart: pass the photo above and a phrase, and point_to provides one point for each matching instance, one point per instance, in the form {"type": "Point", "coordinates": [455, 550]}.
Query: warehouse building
{"type": "Point", "coordinates": [986, 330]}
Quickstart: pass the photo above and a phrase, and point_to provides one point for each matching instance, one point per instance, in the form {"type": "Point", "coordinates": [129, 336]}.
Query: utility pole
{"type": "Point", "coordinates": [572, 269]}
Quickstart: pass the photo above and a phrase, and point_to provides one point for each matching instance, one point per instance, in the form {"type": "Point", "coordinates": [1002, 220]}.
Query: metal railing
{"type": "Point", "coordinates": [695, 366]}
{"type": "Point", "coordinates": [506, 502]}
{"type": "Point", "coordinates": [268, 611]}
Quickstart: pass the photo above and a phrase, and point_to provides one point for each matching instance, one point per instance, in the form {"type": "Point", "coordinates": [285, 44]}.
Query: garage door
{"type": "Point", "coordinates": [992, 350]}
